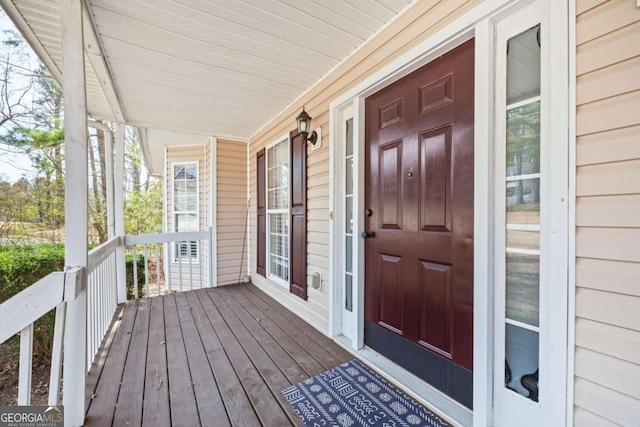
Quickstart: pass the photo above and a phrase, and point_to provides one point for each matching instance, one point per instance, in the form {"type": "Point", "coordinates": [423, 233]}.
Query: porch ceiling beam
{"type": "Point", "coordinates": [76, 212]}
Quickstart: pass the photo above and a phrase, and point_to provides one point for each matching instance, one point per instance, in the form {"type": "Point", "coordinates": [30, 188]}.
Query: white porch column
{"type": "Point", "coordinates": [119, 212]}
{"type": "Point", "coordinates": [76, 212]}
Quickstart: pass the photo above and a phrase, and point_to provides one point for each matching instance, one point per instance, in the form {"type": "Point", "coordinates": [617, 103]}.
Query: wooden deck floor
{"type": "Point", "coordinates": [211, 357]}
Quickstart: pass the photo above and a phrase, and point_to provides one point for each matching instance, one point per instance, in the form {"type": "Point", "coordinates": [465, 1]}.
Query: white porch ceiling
{"type": "Point", "coordinates": [216, 67]}
{"type": "Point", "coordinates": [226, 67]}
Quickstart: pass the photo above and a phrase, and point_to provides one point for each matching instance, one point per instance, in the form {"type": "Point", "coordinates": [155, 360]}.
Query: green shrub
{"type": "Point", "coordinates": [20, 267]}
{"type": "Point", "coordinates": [23, 265]}
{"type": "Point", "coordinates": [129, 268]}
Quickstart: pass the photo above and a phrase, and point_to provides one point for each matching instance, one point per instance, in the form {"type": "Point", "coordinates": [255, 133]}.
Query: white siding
{"type": "Point", "coordinates": [231, 211]}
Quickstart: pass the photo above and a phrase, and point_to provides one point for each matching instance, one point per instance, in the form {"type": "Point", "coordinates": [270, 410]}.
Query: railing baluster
{"type": "Point", "coordinates": [190, 266]}
{"type": "Point", "coordinates": [158, 282]}
{"type": "Point", "coordinates": [56, 355]}
{"type": "Point", "coordinates": [200, 259]}
{"type": "Point", "coordinates": [180, 264]}
{"type": "Point", "coordinates": [26, 357]}
{"type": "Point", "coordinates": [135, 273]}
{"type": "Point", "coordinates": [167, 254]}
{"type": "Point", "coordinates": [146, 271]}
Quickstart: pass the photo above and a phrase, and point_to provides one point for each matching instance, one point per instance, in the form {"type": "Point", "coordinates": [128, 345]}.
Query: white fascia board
{"type": "Point", "coordinates": [93, 49]}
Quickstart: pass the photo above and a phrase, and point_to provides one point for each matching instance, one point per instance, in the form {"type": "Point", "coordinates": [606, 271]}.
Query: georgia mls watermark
{"type": "Point", "coordinates": [31, 416]}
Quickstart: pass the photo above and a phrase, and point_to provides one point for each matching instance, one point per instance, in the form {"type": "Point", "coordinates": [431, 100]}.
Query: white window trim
{"type": "Point", "coordinates": [268, 211]}
{"type": "Point", "coordinates": [175, 258]}
{"type": "Point", "coordinates": [478, 23]}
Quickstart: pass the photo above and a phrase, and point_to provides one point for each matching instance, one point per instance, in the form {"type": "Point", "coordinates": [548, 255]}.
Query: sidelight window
{"type": "Point", "coordinates": [522, 213]}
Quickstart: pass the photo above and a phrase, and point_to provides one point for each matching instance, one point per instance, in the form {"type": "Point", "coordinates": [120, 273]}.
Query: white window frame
{"type": "Point", "coordinates": [479, 22]}
{"type": "Point", "coordinates": [269, 211]}
{"type": "Point", "coordinates": [176, 258]}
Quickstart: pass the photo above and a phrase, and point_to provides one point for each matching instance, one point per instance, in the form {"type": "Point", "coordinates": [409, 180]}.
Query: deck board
{"type": "Point", "coordinates": [217, 356]}
{"type": "Point", "coordinates": [184, 411]}
{"type": "Point", "coordinates": [133, 377]}
{"type": "Point", "coordinates": [156, 383]}
{"type": "Point", "coordinates": [102, 406]}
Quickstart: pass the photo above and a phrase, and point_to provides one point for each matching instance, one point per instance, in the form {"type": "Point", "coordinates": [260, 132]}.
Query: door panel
{"type": "Point", "coordinates": [435, 307]}
{"type": "Point", "coordinates": [391, 291]}
{"type": "Point", "coordinates": [390, 168]}
{"type": "Point", "coordinates": [419, 257]}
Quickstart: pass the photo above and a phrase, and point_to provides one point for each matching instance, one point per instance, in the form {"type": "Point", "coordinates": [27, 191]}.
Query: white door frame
{"type": "Point", "coordinates": [478, 23]}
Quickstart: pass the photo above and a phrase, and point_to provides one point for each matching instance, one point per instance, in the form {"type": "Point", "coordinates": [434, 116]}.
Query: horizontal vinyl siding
{"type": "Point", "coordinates": [607, 354]}
{"type": "Point", "coordinates": [231, 195]}
{"type": "Point", "coordinates": [198, 271]}
{"type": "Point", "coordinates": [422, 20]}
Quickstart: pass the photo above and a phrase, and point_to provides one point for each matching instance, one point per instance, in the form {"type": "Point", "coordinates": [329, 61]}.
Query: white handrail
{"type": "Point", "coordinates": [19, 313]}
{"type": "Point", "coordinates": [30, 304]}
{"type": "Point", "coordinates": [147, 239]}
{"type": "Point", "coordinates": [100, 253]}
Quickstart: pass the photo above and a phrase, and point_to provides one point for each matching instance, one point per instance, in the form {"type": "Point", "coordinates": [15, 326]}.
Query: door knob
{"type": "Point", "coordinates": [368, 212]}
{"type": "Point", "coordinates": [368, 234]}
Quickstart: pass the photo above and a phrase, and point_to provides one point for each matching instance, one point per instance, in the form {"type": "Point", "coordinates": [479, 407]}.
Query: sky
{"type": "Point", "coordinates": [13, 165]}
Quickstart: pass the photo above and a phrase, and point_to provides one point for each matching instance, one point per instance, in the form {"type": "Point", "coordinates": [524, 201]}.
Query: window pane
{"type": "Point", "coordinates": [523, 139]}
{"type": "Point", "coordinates": [191, 171]}
{"type": "Point", "coordinates": [523, 239]}
{"type": "Point", "coordinates": [348, 254]}
{"type": "Point", "coordinates": [349, 137]}
{"type": "Point", "coordinates": [349, 176]}
{"type": "Point", "coordinates": [523, 290]}
{"type": "Point", "coordinates": [521, 358]}
{"type": "Point", "coordinates": [523, 66]}
{"type": "Point", "coordinates": [178, 172]}
{"type": "Point", "coordinates": [348, 215]}
{"type": "Point", "coordinates": [523, 201]}
{"type": "Point", "coordinates": [348, 292]}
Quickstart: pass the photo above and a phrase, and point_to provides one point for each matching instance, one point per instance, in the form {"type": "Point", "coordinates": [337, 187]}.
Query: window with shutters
{"type": "Point", "coordinates": [277, 210]}
{"type": "Point", "coordinates": [185, 207]}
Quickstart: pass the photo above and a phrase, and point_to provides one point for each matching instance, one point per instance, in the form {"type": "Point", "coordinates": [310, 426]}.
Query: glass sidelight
{"type": "Point", "coordinates": [348, 226]}
{"type": "Point", "coordinates": [522, 214]}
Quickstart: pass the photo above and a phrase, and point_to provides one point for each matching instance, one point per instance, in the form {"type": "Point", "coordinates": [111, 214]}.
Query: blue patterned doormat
{"type": "Point", "coordinates": [353, 395]}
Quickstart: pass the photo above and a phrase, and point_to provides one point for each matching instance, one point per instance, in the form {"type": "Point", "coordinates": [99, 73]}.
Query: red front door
{"type": "Point", "coordinates": [419, 252]}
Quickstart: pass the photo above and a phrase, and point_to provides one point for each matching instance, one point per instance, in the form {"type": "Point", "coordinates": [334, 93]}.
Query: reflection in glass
{"type": "Point", "coordinates": [523, 288]}
{"type": "Point", "coordinates": [523, 239]}
{"type": "Point", "coordinates": [523, 139]}
{"type": "Point", "coordinates": [521, 357]}
{"type": "Point", "coordinates": [522, 202]}
{"type": "Point", "coordinates": [523, 66]}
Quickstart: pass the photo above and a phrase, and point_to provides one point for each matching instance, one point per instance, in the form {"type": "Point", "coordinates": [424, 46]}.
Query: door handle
{"type": "Point", "coordinates": [368, 234]}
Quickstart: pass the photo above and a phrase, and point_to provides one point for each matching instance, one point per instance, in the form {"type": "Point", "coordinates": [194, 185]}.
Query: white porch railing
{"type": "Point", "coordinates": [102, 294]}
{"type": "Point", "coordinates": [185, 257]}
{"type": "Point", "coordinates": [20, 312]}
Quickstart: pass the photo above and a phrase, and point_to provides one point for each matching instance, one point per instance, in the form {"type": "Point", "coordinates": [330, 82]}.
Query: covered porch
{"type": "Point", "coordinates": [215, 356]}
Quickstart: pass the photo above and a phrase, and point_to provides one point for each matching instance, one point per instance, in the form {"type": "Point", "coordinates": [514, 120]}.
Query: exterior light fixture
{"type": "Point", "coordinates": [304, 121]}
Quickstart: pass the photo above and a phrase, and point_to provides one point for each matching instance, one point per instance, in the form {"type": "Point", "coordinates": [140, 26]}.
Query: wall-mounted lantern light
{"type": "Point", "coordinates": [304, 122]}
